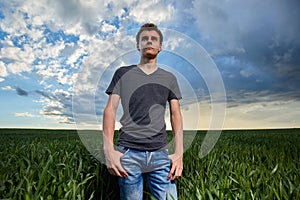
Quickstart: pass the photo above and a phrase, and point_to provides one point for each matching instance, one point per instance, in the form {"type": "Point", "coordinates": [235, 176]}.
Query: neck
{"type": "Point", "coordinates": [146, 61]}
{"type": "Point", "coordinates": [148, 67]}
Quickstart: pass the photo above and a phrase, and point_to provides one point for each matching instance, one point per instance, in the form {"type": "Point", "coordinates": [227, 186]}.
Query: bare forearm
{"type": "Point", "coordinates": [177, 157]}
{"type": "Point", "coordinates": [177, 127]}
{"type": "Point", "coordinates": [109, 119]}
{"type": "Point", "coordinates": [112, 156]}
{"type": "Point", "coordinates": [108, 129]}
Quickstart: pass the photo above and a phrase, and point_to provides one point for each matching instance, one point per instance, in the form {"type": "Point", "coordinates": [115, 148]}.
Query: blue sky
{"type": "Point", "coordinates": [51, 51]}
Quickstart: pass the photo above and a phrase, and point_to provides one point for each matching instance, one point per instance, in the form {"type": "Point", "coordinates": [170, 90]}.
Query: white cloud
{"type": "Point", "coordinates": [3, 71]}
{"type": "Point", "coordinates": [7, 88]}
{"type": "Point", "coordinates": [14, 22]}
{"type": "Point", "coordinates": [106, 28]}
{"type": "Point", "coordinates": [18, 60]}
{"type": "Point", "coordinates": [18, 67]}
{"type": "Point", "coordinates": [59, 107]}
{"type": "Point", "coordinates": [24, 114]}
{"type": "Point", "coordinates": [75, 56]}
{"type": "Point", "coordinates": [265, 114]}
{"type": "Point", "coordinates": [258, 115]}
{"type": "Point", "coordinates": [11, 53]}
{"type": "Point", "coordinates": [152, 11]}
{"type": "Point", "coordinates": [246, 72]}
{"type": "Point", "coordinates": [76, 17]}
{"type": "Point", "coordinates": [101, 55]}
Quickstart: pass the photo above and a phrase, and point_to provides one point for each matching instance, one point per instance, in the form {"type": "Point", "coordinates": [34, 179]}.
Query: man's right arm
{"type": "Point", "coordinates": [109, 119]}
{"type": "Point", "coordinates": [112, 156]}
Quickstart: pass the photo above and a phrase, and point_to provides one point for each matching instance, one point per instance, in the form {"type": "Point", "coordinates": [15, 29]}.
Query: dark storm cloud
{"type": "Point", "coordinates": [21, 92]}
{"type": "Point", "coordinates": [255, 44]}
{"type": "Point", "coordinates": [44, 94]}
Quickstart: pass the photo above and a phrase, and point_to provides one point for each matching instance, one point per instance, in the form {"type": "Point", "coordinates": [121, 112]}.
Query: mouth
{"type": "Point", "coordinates": [149, 48]}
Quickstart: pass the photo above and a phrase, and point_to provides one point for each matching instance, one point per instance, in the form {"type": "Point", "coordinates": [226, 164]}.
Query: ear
{"type": "Point", "coordinates": [137, 47]}
{"type": "Point", "coordinates": [160, 48]}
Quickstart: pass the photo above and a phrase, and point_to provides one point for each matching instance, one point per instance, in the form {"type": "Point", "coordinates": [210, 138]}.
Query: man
{"type": "Point", "coordinates": [142, 147]}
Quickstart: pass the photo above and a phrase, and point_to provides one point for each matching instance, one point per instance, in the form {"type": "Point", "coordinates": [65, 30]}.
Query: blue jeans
{"type": "Point", "coordinates": [154, 167]}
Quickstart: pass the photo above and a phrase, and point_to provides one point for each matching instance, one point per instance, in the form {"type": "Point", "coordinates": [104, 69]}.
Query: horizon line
{"type": "Point", "coordinates": [72, 129]}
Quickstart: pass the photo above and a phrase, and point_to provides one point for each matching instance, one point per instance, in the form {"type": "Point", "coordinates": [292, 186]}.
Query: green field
{"type": "Point", "coordinates": [244, 164]}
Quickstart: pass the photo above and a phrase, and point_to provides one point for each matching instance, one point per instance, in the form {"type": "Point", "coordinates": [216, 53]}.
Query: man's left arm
{"type": "Point", "coordinates": [177, 128]}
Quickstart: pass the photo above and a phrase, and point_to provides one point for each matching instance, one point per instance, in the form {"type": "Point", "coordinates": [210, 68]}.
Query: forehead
{"type": "Point", "coordinates": [149, 33]}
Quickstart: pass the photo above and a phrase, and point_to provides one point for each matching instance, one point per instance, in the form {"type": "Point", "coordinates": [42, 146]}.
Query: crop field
{"type": "Point", "coordinates": [244, 164]}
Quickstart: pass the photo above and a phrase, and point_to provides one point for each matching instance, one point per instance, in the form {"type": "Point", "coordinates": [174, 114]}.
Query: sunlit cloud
{"type": "Point", "coordinates": [26, 114]}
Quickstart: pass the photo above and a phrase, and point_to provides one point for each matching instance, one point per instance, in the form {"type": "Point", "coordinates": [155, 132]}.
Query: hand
{"type": "Point", "coordinates": [113, 163]}
{"type": "Point", "coordinates": [177, 167]}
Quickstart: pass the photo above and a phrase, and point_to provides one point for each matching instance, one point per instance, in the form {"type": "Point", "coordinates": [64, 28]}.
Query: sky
{"type": "Point", "coordinates": [237, 62]}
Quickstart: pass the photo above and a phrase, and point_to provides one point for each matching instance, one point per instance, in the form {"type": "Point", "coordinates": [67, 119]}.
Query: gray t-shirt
{"type": "Point", "coordinates": [143, 99]}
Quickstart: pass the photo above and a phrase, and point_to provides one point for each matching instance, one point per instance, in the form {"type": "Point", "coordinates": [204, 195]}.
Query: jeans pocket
{"type": "Point", "coordinates": [123, 150]}
{"type": "Point", "coordinates": [165, 152]}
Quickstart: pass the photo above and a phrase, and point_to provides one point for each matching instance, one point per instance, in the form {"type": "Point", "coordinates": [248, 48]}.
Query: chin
{"type": "Point", "coordinates": [150, 56]}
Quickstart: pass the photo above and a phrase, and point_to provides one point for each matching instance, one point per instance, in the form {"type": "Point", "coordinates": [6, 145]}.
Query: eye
{"type": "Point", "coordinates": [154, 38]}
{"type": "Point", "coordinates": [145, 38]}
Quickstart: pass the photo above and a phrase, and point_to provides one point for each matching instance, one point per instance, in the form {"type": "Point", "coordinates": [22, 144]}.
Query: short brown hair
{"type": "Point", "coordinates": [149, 27]}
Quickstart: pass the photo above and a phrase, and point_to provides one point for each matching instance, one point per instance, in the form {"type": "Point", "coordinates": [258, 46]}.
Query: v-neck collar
{"type": "Point", "coordinates": [145, 72]}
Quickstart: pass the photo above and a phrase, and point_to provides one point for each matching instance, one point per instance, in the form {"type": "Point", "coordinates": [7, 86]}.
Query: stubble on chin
{"type": "Point", "coordinates": [150, 55]}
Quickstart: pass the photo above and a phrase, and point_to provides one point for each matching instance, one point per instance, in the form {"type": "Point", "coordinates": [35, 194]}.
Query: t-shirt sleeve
{"type": "Point", "coordinates": [114, 86]}
{"type": "Point", "coordinates": [174, 90]}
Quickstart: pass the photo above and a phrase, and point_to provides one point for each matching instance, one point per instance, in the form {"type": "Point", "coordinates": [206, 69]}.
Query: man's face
{"type": "Point", "coordinates": [149, 43]}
